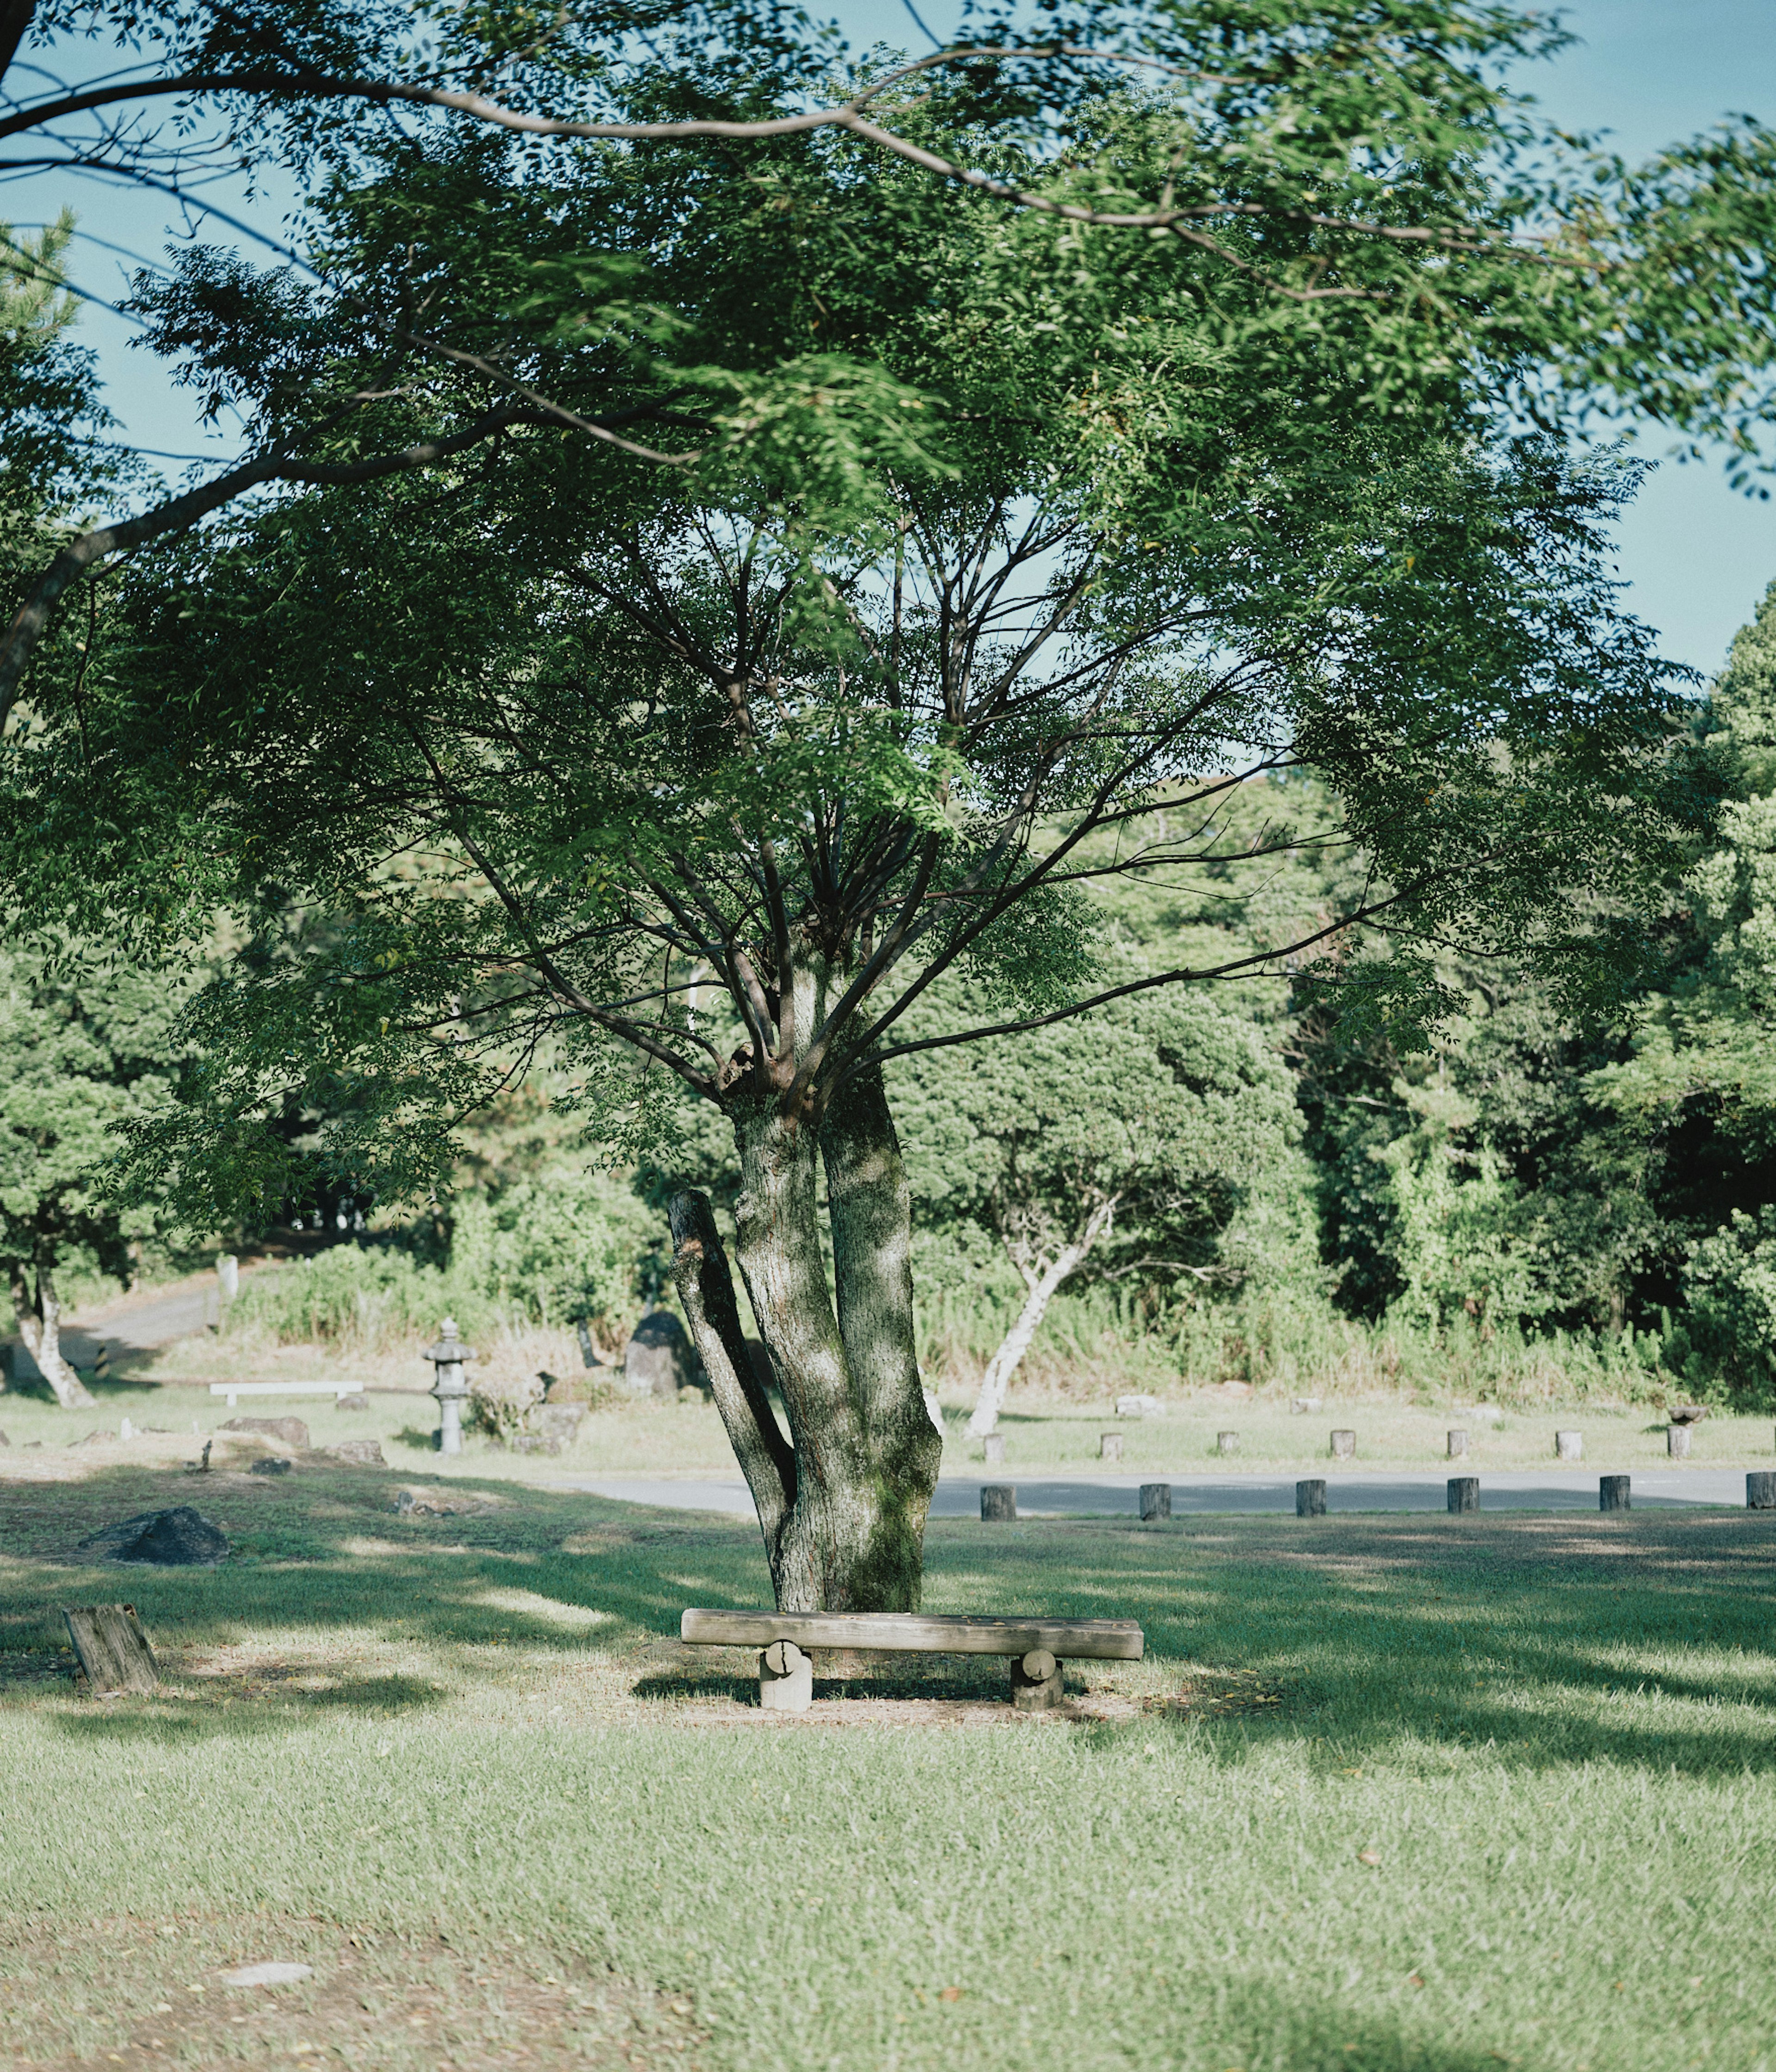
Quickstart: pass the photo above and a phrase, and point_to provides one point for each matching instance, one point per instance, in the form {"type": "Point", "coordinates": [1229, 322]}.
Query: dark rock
{"type": "Point", "coordinates": [291, 1430]}
{"type": "Point", "coordinates": [659, 1361]}
{"type": "Point", "coordinates": [421, 1503]}
{"type": "Point", "coordinates": [274, 1464]}
{"type": "Point", "coordinates": [360, 1401]}
{"type": "Point", "coordinates": [178, 1539]}
{"type": "Point", "coordinates": [30, 1443]}
{"type": "Point", "coordinates": [356, 1453]}
{"type": "Point", "coordinates": [92, 1439]}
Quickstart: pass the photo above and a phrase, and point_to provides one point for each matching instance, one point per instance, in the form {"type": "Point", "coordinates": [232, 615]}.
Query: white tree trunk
{"type": "Point", "coordinates": [40, 1326]}
{"type": "Point", "coordinates": [1004, 1363]}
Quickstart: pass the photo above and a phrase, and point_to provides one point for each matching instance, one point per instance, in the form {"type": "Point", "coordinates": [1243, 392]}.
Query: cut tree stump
{"type": "Point", "coordinates": [1458, 1445]}
{"type": "Point", "coordinates": [1463, 1493]}
{"type": "Point", "coordinates": [1677, 1441]}
{"type": "Point", "coordinates": [1569, 1445]}
{"type": "Point", "coordinates": [1155, 1501]}
{"type": "Point", "coordinates": [1344, 1445]}
{"type": "Point", "coordinates": [994, 1447]}
{"type": "Point", "coordinates": [1226, 1442]}
{"type": "Point", "coordinates": [786, 1678]}
{"type": "Point", "coordinates": [1035, 1681]}
{"type": "Point", "coordinates": [112, 1648]}
{"type": "Point", "coordinates": [1613, 1492]}
{"type": "Point", "coordinates": [1310, 1499]}
{"type": "Point", "coordinates": [998, 1501]}
{"type": "Point", "coordinates": [1109, 1445]}
{"type": "Point", "coordinates": [1760, 1490]}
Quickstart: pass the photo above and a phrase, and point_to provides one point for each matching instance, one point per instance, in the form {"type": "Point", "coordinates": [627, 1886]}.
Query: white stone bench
{"type": "Point", "coordinates": [1037, 1646]}
{"type": "Point", "coordinates": [231, 1390]}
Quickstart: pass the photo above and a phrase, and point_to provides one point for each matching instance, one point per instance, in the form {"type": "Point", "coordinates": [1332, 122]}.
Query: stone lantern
{"type": "Point", "coordinates": [451, 1387]}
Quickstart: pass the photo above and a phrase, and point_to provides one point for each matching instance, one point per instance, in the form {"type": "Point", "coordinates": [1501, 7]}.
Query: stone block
{"type": "Point", "coordinates": [292, 1431]}
{"type": "Point", "coordinates": [658, 1360]}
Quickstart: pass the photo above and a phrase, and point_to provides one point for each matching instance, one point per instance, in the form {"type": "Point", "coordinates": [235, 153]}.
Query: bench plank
{"type": "Point", "coordinates": [907, 1633]}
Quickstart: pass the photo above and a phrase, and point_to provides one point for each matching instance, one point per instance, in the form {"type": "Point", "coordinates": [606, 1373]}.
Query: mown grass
{"type": "Point", "coordinates": [1390, 1795]}
{"type": "Point", "coordinates": [641, 1437]}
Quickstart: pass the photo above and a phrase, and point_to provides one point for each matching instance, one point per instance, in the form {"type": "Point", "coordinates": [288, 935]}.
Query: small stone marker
{"type": "Point", "coordinates": [1458, 1445]}
{"type": "Point", "coordinates": [1300, 1405]}
{"type": "Point", "coordinates": [1226, 1442]}
{"type": "Point", "coordinates": [1035, 1681]}
{"type": "Point", "coordinates": [1760, 1490]}
{"type": "Point", "coordinates": [127, 1430]}
{"type": "Point", "coordinates": [1155, 1501]}
{"type": "Point", "coordinates": [995, 1446]}
{"type": "Point", "coordinates": [998, 1501]}
{"type": "Point", "coordinates": [227, 1275]}
{"type": "Point", "coordinates": [786, 1678]}
{"type": "Point", "coordinates": [1310, 1499]}
{"type": "Point", "coordinates": [356, 1453]}
{"type": "Point", "coordinates": [1344, 1445]}
{"type": "Point", "coordinates": [1613, 1492]}
{"type": "Point", "coordinates": [269, 1974]}
{"type": "Point", "coordinates": [1677, 1441]}
{"type": "Point", "coordinates": [1569, 1445]}
{"type": "Point", "coordinates": [658, 1360]}
{"type": "Point", "coordinates": [113, 1648]}
{"type": "Point", "coordinates": [1109, 1445]}
{"type": "Point", "coordinates": [1140, 1406]}
{"type": "Point", "coordinates": [1463, 1493]}
{"type": "Point", "coordinates": [291, 1430]}
{"type": "Point", "coordinates": [558, 1424]}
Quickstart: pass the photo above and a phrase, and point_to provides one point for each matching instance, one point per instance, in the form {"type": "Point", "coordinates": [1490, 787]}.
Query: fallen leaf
{"type": "Point", "coordinates": [1412, 1979]}
{"type": "Point", "coordinates": [1367, 1857]}
{"type": "Point", "coordinates": [950, 1993]}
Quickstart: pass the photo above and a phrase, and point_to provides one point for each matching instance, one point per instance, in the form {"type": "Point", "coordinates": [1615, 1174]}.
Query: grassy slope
{"type": "Point", "coordinates": [1554, 1736]}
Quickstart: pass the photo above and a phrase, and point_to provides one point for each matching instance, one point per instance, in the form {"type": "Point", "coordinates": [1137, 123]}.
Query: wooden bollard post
{"type": "Point", "coordinates": [1760, 1490]}
{"type": "Point", "coordinates": [995, 1446]}
{"type": "Point", "coordinates": [786, 1678]}
{"type": "Point", "coordinates": [1226, 1442]}
{"type": "Point", "coordinates": [1569, 1445]}
{"type": "Point", "coordinates": [1310, 1499]}
{"type": "Point", "coordinates": [1677, 1441]}
{"type": "Point", "coordinates": [998, 1501]}
{"type": "Point", "coordinates": [1463, 1493]}
{"type": "Point", "coordinates": [1035, 1681]}
{"type": "Point", "coordinates": [1109, 1445]}
{"type": "Point", "coordinates": [1344, 1445]}
{"type": "Point", "coordinates": [1155, 1501]}
{"type": "Point", "coordinates": [1613, 1492]}
{"type": "Point", "coordinates": [1458, 1445]}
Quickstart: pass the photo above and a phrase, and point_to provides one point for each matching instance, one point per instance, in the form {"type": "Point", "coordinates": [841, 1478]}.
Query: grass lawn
{"type": "Point", "coordinates": [1043, 1435]}
{"type": "Point", "coordinates": [1424, 1792]}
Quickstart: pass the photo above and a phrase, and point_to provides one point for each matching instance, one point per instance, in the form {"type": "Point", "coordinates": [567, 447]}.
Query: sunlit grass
{"type": "Point", "coordinates": [1552, 1737]}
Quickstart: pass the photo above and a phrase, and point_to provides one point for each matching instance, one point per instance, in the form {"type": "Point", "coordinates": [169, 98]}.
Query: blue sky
{"type": "Point", "coordinates": [1697, 557]}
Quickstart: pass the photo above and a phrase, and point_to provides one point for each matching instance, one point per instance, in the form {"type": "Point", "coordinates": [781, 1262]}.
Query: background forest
{"type": "Point", "coordinates": [1526, 1210]}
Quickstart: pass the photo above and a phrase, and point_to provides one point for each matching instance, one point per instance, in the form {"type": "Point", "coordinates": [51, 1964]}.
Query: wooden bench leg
{"type": "Point", "coordinates": [786, 1678]}
{"type": "Point", "coordinates": [1035, 1681]}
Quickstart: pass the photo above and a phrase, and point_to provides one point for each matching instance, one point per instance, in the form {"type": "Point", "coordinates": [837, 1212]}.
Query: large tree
{"type": "Point", "coordinates": [992, 562]}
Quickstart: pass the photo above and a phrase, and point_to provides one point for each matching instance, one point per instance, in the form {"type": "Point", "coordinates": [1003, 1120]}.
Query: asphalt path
{"type": "Point", "coordinates": [1112, 1496]}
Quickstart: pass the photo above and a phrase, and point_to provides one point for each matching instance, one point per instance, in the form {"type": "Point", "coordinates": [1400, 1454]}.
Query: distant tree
{"type": "Point", "coordinates": [1131, 1140]}
{"type": "Point", "coordinates": [79, 1055]}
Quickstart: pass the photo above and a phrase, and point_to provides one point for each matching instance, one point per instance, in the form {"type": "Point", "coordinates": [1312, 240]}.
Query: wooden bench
{"type": "Point", "coordinates": [233, 1389]}
{"type": "Point", "coordinates": [1037, 1646]}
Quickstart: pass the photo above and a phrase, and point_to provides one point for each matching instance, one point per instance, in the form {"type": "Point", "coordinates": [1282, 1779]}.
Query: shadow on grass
{"type": "Point", "coordinates": [1261, 2024]}
{"type": "Point", "coordinates": [1642, 1639]}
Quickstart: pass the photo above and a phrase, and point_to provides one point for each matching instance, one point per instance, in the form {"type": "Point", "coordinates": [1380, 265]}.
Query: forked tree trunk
{"type": "Point", "coordinates": [842, 1503]}
{"type": "Point", "coordinates": [40, 1326]}
{"type": "Point", "coordinates": [1004, 1363]}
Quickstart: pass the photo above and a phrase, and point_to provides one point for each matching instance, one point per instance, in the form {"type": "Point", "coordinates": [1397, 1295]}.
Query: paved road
{"type": "Point", "coordinates": [1119, 1495]}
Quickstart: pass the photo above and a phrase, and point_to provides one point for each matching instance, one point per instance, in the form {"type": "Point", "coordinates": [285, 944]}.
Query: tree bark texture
{"type": "Point", "coordinates": [842, 1503]}
{"type": "Point", "coordinates": [40, 1327]}
{"type": "Point", "coordinates": [1042, 1289]}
